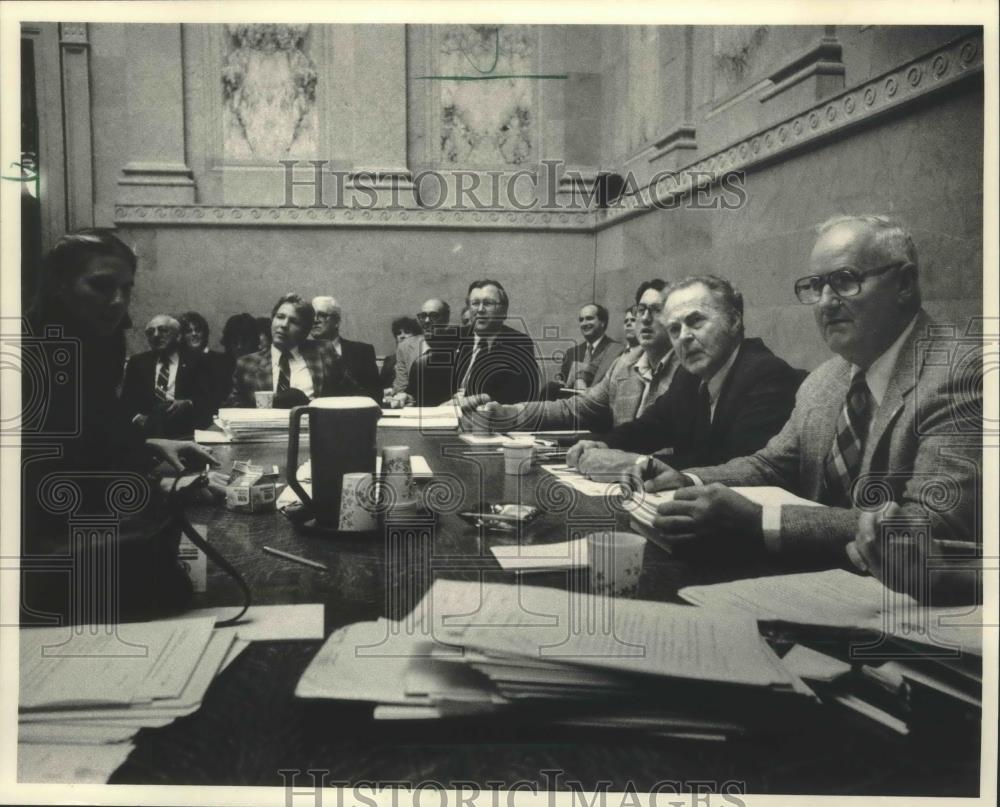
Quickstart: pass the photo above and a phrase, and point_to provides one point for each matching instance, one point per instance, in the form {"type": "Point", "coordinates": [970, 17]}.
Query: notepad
{"type": "Point", "coordinates": [542, 557]}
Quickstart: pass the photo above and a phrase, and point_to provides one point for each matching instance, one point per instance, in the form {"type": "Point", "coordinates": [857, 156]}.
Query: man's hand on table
{"type": "Point", "coordinates": [577, 451]}
{"type": "Point", "coordinates": [467, 404]}
{"type": "Point", "coordinates": [709, 512]}
{"type": "Point", "coordinates": [491, 416]}
{"type": "Point", "coordinates": [606, 464]}
{"type": "Point", "coordinates": [181, 454]}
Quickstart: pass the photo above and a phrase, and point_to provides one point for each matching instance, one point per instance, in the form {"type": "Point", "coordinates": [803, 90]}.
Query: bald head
{"type": "Point", "coordinates": [433, 312]}
{"type": "Point", "coordinates": [326, 324]}
{"type": "Point", "coordinates": [163, 333]}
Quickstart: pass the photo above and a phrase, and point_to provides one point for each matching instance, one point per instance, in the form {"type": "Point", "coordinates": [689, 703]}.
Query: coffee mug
{"type": "Point", "coordinates": [264, 399]}
{"type": "Point", "coordinates": [518, 457]}
{"type": "Point", "coordinates": [342, 433]}
{"type": "Point", "coordinates": [615, 560]}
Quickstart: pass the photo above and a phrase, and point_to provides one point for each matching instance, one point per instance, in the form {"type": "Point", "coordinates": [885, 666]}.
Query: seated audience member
{"type": "Point", "coordinates": [291, 362]}
{"type": "Point", "coordinates": [728, 398]}
{"type": "Point", "coordinates": [588, 361]}
{"type": "Point", "coordinates": [636, 379]}
{"type": "Point", "coordinates": [883, 415]}
{"type": "Point", "coordinates": [434, 313]}
{"type": "Point", "coordinates": [240, 336]}
{"type": "Point", "coordinates": [164, 391]}
{"type": "Point", "coordinates": [217, 368]}
{"type": "Point", "coordinates": [403, 328]}
{"type": "Point", "coordinates": [898, 552]}
{"type": "Point", "coordinates": [263, 332]}
{"type": "Point", "coordinates": [84, 291]}
{"type": "Point", "coordinates": [628, 325]}
{"type": "Point", "coordinates": [359, 357]}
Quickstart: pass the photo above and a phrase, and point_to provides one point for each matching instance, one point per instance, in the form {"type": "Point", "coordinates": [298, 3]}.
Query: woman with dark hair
{"type": "Point", "coordinates": [240, 336]}
{"type": "Point", "coordinates": [401, 327]}
{"type": "Point", "coordinates": [81, 454]}
{"type": "Point", "coordinates": [216, 369]}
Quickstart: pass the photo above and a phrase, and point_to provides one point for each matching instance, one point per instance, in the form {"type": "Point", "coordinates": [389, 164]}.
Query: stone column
{"type": "Point", "coordinates": [75, 48]}
{"type": "Point", "coordinates": [156, 171]}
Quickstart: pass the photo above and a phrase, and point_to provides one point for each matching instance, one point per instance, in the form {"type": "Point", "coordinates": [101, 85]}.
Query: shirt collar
{"type": "Point", "coordinates": [643, 368]}
{"type": "Point", "coordinates": [596, 342]}
{"type": "Point", "coordinates": [172, 356]}
{"type": "Point", "coordinates": [276, 354]}
{"type": "Point", "coordinates": [716, 381]}
{"type": "Point", "coordinates": [879, 373]}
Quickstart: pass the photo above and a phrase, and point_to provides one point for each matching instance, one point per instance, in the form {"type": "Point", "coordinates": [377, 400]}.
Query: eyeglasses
{"type": "Point", "coordinates": [653, 310]}
{"type": "Point", "coordinates": [845, 282]}
{"type": "Point", "coordinates": [429, 315]}
{"type": "Point", "coordinates": [484, 304]}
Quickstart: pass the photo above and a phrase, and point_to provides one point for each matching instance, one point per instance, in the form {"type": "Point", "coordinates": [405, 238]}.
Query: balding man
{"type": "Point", "coordinates": [433, 313]}
{"type": "Point", "coordinates": [589, 360]}
{"type": "Point", "coordinates": [164, 391]}
{"type": "Point", "coordinates": [359, 357]}
{"type": "Point", "coordinates": [890, 416]}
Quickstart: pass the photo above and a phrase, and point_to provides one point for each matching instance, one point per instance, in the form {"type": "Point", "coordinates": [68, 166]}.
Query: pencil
{"type": "Point", "coordinates": [294, 558]}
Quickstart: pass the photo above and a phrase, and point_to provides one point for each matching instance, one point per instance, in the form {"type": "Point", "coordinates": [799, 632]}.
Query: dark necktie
{"type": "Point", "coordinates": [284, 372]}
{"type": "Point", "coordinates": [163, 379]}
{"type": "Point", "coordinates": [843, 463]}
{"type": "Point", "coordinates": [703, 415]}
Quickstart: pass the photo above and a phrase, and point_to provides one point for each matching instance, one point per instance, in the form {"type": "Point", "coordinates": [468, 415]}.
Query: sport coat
{"type": "Point", "coordinates": [329, 373]}
{"type": "Point", "coordinates": [755, 400]}
{"type": "Point", "coordinates": [359, 358]}
{"type": "Point", "coordinates": [924, 449]}
{"type": "Point", "coordinates": [139, 397]}
{"type": "Point", "coordinates": [593, 371]}
{"type": "Point", "coordinates": [407, 352]}
{"type": "Point", "coordinates": [506, 370]}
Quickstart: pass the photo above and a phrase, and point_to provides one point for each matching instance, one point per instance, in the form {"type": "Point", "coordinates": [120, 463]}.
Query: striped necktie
{"type": "Point", "coordinates": [163, 379]}
{"type": "Point", "coordinates": [284, 372]}
{"type": "Point", "coordinates": [843, 463]}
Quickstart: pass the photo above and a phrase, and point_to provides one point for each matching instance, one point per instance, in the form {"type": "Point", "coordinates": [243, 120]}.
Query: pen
{"type": "Point", "coordinates": [294, 558]}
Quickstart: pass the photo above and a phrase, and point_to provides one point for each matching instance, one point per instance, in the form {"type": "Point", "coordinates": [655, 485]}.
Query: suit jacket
{"type": "Point", "coordinates": [139, 394]}
{"type": "Point", "coordinates": [407, 352]}
{"type": "Point", "coordinates": [329, 373]}
{"type": "Point", "coordinates": [924, 449]}
{"type": "Point", "coordinates": [594, 370]}
{"type": "Point", "coordinates": [610, 402]}
{"type": "Point", "coordinates": [218, 376]}
{"type": "Point", "coordinates": [359, 357]}
{"type": "Point", "coordinates": [756, 398]}
{"type": "Point", "coordinates": [506, 370]}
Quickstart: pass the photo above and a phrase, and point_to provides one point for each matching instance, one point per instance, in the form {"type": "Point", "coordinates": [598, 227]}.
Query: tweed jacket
{"type": "Point", "coordinates": [610, 402]}
{"type": "Point", "coordinates": [329, 373]}
{"type": "Point", "coordinates": [755, 400]}
{"type": "Point", "coordinates": [407, 352]}
{"type": "Point", "coordinates": [593, 371]}
{"type": "Point", "coordinates": [924, 449]}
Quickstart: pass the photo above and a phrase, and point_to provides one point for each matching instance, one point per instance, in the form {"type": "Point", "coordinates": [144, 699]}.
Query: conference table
{"type": "Point", "coordinates": [252, 730]}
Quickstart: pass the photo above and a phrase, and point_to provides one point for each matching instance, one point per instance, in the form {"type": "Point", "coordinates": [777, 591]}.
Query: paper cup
{"type": "Point", "coordinates": [358, 503]}
{"type": "Point", "coordinates": [615, 560]}
{"type": "Point", "coordinates": [518, 457]}
{"type": "Point", "coordinates": [398, 487]}
{"type": "Point", "coordinates": [264, 399]}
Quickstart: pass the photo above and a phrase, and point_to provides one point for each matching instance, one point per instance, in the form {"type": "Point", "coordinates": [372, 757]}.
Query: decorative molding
{"type": "Point", "coordinates": [73, 35]}
{"type": "Point", "coordinates": [680, 137]}
{"type": "Point", "coordinates": [897, 88]}
{"type": "Point", "coordinates": [911, 81]}
{"type": "Point", "coordinates": [405, 218]}
{"type": "Point", "coordinates": [825, 59]}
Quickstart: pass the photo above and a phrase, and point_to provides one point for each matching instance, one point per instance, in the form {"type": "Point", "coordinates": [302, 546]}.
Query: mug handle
{"type": "Point", "coordinates": [292, 468]}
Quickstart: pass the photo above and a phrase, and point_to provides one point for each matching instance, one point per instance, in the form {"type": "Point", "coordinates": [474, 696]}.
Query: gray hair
{"type": "Point", "coordinates": [728, 298]}
{"type": "Point", "coordinates": [890, 237]}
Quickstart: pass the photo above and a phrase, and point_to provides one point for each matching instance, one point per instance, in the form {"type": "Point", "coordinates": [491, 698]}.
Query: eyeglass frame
{"type": "Point", "coordinates": [641, 309]}
{"type": "Point", "coordinates": [431, 315]}
{"type": "Point", "coordinates": [858, 276]}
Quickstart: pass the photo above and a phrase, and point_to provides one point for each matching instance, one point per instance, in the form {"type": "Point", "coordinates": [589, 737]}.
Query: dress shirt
{"type": "Point", "coordinates": [298, 371]}
{"type": "Point", "coordinates": [648, 374]}
{"type": "Point", "coordinates": [877, 375]}
{"type": "Point", "coordinates": [474, 356]}
{"type": "Point", "coordinates": [592, 346]}
{"type": "Point", "coordinates": [336, 346]}
{"type": "Point", "coordinates": [175, 360]}
{"type": "Point", "coordinates": [716, 381]}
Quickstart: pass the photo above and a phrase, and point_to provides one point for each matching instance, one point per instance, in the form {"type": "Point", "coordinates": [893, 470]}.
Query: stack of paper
{"type": "Point", "coordinates": [555, 656]}
{"type": "Point", "coordinates": [643, 505]}
{"type": "Point", "coordinates": [86, 690]}
{"type": "Point", "coordinates": [436, 418]}
{"type": "Point", "coordinates": [256, 425]}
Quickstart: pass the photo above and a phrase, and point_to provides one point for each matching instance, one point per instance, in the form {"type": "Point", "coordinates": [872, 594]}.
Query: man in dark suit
{"type": "Point", "coordinates": [359, 357]}
{"type": "Point", "coordinates": [589, 360]}
{"type": "Point", "coordinates": [728, 398]}
{"type": "Point", "coordinates": [895, 415]}
{"type": "Point", "coordinates": [164, 390]}
{"type": "Point", "coordinates": [291, 362]}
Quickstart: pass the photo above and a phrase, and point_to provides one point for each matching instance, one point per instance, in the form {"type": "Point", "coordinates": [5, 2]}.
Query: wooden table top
{"type": "Point", "coordinates": [251, 726]}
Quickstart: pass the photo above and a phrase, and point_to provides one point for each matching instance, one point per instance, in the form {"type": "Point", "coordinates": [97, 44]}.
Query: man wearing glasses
{"type": "Point", "coordinates": [891, 416]}
{"type": "Point", "coordinates": [433, 313]}
{"type": "Point", "coordinates": [359, 357]}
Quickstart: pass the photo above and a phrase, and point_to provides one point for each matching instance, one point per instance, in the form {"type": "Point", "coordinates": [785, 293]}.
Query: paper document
{"type": "Point", "coordinates": [269, 623]}
{"type": "Point", "coordinates": [211, 437]}
{"type": "Point", "coordinates": [444, 416]}
{"type": "Point", "coordinates": [70, 764]}
{"type": "Point", "coordinates": [474, 439]}
{"type": "Point", "coordinates": [812, 665]}
{"type": "Point", "coordinates": [542, 557]}
{"type": "Point", "coordinates": [588, 487]}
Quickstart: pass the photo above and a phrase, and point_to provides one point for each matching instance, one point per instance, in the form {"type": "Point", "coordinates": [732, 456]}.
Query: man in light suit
{"type": "Point", "coordinates": [637, 379]}
{"type": "Point", "coordinates": [729, 396]}
{"type": "Point", "coordinates": [589, 360]}
{"type": "Point", "coordinates": [896, 414]}
{"type": "Point", "coordinates": [358, 357]}
{"type": "Point", "coordinates": [434, 313]}
{"type": "Point", "coordinates": [291, 362]}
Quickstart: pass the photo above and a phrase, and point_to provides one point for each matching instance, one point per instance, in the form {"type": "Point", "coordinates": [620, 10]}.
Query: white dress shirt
{"type": "Point", "coordinates": [716, 381]}
{"type": "Point", "coordinates": [298, 371]}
